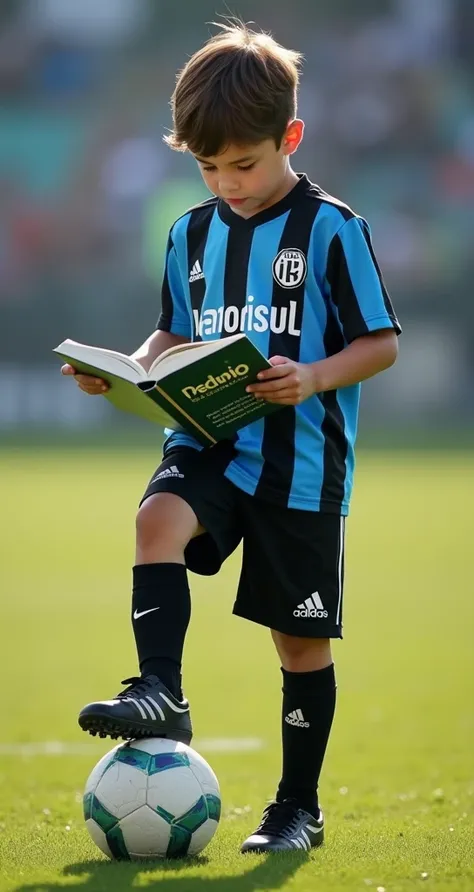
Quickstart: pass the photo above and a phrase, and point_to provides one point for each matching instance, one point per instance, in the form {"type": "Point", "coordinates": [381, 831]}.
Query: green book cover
{"type": "Point", "coordinates": [208, 396]}
{"type": "Point", "coordinates": [205, 396]}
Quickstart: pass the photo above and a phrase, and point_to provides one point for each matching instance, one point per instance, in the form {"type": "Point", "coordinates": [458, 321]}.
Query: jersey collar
{"type": "Point", "coordinates": [228, 216]}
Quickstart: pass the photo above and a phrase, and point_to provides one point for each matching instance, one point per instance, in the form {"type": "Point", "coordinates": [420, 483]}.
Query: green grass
{"type": "Point", "coordinates": [398, 784]}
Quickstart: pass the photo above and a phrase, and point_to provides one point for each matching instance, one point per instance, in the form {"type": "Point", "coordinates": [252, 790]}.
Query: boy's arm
{"type": "Point", "coordinates": [289, 383]}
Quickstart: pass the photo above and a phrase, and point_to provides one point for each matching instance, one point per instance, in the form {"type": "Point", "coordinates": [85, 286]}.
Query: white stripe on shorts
{"type": "Point", "coordinates": [342, 529]}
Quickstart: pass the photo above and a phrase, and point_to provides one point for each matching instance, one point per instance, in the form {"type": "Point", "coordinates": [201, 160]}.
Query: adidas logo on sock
{"type": "Point", "coordinates": [296, 718]}
{"type": "Point", "coordinates": [312, 608]}
{"type": "Point", "coordinates": [168, 472]}
{"type": "Point", "coordinates": [196, 272]}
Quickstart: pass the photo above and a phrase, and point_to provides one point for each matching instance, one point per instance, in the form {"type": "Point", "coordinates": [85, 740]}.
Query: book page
{"type": "Point", "coordinates": [185, 354]}
{"type": "Point", "coordinates": [105, 360]}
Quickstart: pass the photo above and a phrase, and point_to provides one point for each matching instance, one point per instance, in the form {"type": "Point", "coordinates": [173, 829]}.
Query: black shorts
{"type": "Point", "coordinates": [293, 561]}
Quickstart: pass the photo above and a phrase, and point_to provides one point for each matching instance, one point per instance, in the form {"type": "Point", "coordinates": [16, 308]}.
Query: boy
{"type": "Point", "coordinates": [273, 255]}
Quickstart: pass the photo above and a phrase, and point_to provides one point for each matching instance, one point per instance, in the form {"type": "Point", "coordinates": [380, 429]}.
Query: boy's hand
{"type": "Point", "coordinates": [288, 383]}
{"type": "Point", "coordinates": [87, 383]}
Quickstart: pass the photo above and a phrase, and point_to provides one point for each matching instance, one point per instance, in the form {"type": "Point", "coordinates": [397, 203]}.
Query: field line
{"type": "Point", "coordinates": [64, 748]}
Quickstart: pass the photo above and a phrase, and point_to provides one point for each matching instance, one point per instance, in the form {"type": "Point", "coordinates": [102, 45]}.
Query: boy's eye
{"type": "Point", "coordinates": [209, 168]}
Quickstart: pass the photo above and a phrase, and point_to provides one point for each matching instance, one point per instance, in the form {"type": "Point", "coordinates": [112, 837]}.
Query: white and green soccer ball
{"type": "Point", "coordinates": [152, 798]}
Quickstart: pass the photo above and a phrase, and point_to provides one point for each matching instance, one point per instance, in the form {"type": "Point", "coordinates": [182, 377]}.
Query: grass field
{"type": "Point", "coordinates": [398, 783]}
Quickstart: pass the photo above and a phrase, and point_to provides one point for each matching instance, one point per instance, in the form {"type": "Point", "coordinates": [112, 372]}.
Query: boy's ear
{"type": "Point", "coordinates": [292, 136]}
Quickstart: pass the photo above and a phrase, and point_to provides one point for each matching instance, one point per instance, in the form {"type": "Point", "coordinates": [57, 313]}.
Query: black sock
{"type": "Point", "coordinates": [309, 700]}
{"type": "Point", "coordinates": [161, 596]}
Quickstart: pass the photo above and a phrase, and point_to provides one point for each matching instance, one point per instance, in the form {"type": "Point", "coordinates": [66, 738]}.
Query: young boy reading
{"type": "Point", "coordinates": [273, 255]}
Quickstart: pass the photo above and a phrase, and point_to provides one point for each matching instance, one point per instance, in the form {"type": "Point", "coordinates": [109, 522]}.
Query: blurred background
{"type": "Point", "coordinates": [88, 189]}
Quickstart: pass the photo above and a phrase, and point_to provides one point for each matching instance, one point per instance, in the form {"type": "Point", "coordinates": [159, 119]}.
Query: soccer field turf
{"type": "Point", "coordinates": [398, 782]}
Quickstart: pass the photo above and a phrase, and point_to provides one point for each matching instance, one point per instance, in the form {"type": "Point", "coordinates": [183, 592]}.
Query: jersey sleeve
{"type": "Point", "coordinates": [174, 316]}
{"type": "Point", "coordinates": [355, 284]}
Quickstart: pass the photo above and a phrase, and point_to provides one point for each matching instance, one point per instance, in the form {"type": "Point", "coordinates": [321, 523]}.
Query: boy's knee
{"type": "Point", "coordinates": [302, 654]}
{"type": "Point", "coordinates": [165, 517]}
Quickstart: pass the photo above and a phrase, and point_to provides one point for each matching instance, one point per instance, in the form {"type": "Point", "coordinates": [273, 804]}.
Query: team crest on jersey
{"type": "Point", "coordinates": [290, 267]}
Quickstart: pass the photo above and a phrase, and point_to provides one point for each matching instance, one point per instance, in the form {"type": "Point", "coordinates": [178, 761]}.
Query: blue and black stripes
{"type": "Point", "coordinates": [301, 279]}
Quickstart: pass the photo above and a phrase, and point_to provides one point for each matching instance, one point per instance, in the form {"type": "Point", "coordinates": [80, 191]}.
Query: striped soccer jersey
{"type": "Point", "coordinates": [301, 280]}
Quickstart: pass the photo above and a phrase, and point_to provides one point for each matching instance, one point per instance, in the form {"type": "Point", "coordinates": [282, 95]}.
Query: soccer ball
{"type": "Point", "coordinates": [152, 798]}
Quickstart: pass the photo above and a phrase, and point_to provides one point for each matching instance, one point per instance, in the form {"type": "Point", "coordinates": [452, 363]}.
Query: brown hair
{"type": "Point", "coordinates": [239, 88]}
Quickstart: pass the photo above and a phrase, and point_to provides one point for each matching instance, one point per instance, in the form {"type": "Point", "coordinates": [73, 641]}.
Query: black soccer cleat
{"type": "Point", "coordinates": [145, 709]}
{"type": "Point", "coordinates": [285, 827]}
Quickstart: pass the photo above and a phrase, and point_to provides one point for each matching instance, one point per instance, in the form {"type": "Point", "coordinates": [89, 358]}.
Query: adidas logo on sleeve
{"type": "Point", "coordinates": [312, 608]}
{"type": "Point", "coordinates": [296, 718]}
{"type": "Point", "coordinates": [173, 471]}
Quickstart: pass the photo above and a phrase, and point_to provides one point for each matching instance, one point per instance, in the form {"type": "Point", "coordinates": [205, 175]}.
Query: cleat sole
{"type": "Point", "coordinates": [128, 730]}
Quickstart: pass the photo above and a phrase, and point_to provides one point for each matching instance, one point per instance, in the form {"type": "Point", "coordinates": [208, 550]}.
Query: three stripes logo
{"type": "Point", "coordinates": [149, 708]}
{"type": "Point", "coordinates": [303, 841]}
{"type": "Point", "coordinates": [296, 718]}
{"type": "Point", "coordinates": [312, 608]}
{"type": "Point", "coordinates": [196, 272]}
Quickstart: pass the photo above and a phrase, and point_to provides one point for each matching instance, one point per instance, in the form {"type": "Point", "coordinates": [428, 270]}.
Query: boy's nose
{"type": "Point", "coordinates": [228, 187]}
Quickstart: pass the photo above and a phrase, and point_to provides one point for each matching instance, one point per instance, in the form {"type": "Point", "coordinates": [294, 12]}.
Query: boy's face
{"type": "Point", "coordinates": [252, 177]}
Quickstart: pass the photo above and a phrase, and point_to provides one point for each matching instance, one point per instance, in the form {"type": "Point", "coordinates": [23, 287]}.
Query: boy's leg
{"type": "Point", "coordinates": [291, 581]}
{"type": "Point", "coordinates": [161, 604]}
{"type": "Point", "coordinates": [309, 701]}
{"type": "Point", "coordinates": [152, 705]}
{"type": "Point", "coordinates": [187, 485]}
{"type": "Point", "coordinates": [295, 820]}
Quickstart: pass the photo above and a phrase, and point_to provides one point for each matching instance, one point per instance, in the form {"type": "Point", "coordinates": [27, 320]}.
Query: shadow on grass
{"type": "Point", "coordinates": [102, 876]}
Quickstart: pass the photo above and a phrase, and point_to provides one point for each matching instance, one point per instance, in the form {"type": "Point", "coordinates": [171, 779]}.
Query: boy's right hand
{"type": "Point", "coordinates": [87, 383]}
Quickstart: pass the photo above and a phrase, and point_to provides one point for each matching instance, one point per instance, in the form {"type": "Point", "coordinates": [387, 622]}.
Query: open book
{"type": "Point", "coordinates": [198, 387]}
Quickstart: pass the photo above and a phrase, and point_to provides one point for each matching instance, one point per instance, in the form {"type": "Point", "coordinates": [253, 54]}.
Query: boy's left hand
{"type": "Point", "coordinates": [287, 383]}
